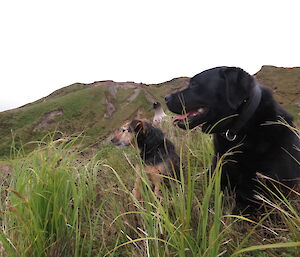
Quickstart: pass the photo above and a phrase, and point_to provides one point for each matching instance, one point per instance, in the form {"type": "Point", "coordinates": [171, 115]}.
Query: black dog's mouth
{"type": "Point", "coordinates": [191, 118]}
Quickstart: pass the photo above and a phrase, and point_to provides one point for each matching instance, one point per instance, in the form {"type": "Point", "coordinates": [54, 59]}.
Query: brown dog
{"type": "Point", "coordinates": [157, 152]}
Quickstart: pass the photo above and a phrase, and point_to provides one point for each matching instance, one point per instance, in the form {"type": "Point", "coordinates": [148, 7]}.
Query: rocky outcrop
{"type": "Point", "coordinates": [109, 83]}
{"type": "Point", "coordinates": [110, 109]}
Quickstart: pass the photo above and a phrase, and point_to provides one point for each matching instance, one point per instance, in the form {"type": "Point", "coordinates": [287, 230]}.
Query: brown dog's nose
{"type": "Point", "coordinates": [168, 97]}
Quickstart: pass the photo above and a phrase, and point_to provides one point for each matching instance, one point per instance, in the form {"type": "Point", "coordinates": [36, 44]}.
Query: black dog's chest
{"type": "Point", "coordinates": [255, 155]}
{"type": "Point", "coordinates": [244, 155]}
{"type": "Point", "coordinates": [251, 146]}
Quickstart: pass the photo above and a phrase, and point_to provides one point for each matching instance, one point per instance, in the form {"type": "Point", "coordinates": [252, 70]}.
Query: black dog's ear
{"type": "Point", "coordinates": [137, 126]}
{"type": "Point", "coordinates": [238, 86]}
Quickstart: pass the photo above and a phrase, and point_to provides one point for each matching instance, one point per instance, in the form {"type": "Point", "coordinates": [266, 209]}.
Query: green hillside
{"type": "Point", "coordinates": [95, 110]}
{"type": "Point", "coordinates": [285, 83]}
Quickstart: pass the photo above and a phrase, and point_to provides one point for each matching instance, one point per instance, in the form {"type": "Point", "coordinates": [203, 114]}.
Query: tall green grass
{"type": "Point", "coordinates": [62, 203]}
{"type": "Point", "coordinates": [49, 208]}
{"type": "Point", "coordinates": [183, 222]}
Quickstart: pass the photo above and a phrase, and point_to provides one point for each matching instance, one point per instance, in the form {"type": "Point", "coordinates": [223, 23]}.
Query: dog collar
{"type": "Point", "coordinates": [249, 107]}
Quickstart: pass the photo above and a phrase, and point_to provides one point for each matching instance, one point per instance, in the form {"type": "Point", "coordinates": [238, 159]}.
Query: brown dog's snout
{"type": "Point", "coordinates": [168, 97]}
{"type": "Point", "coordinates": [114, 140]}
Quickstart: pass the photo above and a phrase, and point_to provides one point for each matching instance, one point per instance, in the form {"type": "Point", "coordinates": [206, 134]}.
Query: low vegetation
{"type": "Point", "coordinates": [59, 201]}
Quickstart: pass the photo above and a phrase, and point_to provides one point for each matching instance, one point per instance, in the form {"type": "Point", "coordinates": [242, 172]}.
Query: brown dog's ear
{"type": "Point", "coordinates": [137, 126]}
{"type": "Point", "coordinates": [238, 86]}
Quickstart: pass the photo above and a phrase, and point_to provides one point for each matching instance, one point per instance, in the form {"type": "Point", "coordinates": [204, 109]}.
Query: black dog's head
{"type": "Point", "coordinates": [211, 97]}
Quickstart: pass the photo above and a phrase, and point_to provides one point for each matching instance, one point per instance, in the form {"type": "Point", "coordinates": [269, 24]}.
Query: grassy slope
{"type": "Point", "coordinates": [83, 107]}
{"type": "Point", "coordinates": [285, 83]}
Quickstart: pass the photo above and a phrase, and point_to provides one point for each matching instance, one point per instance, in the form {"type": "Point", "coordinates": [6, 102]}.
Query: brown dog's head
{"type": "Point", "coordinates": [126, 134]}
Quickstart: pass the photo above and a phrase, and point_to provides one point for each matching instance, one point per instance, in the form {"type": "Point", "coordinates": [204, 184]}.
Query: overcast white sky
{"type": "Point", "coordinates": [46, 45]}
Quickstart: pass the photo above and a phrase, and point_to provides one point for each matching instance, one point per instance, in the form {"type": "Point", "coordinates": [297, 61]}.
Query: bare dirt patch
{"type": "Point", "coordinates": [110, 108]}
{"type": "Point", "coordinates": [47, 119]}
{"type": "Point", "coordinates": [109, 83]}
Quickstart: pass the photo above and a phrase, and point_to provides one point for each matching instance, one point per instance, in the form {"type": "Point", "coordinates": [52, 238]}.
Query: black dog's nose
{"type": "Point", "coordinates": [168, 97]}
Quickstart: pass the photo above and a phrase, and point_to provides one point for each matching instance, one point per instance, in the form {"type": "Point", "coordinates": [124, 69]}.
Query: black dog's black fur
{"type": "Point", "coordinates": [228, 99]}
{"type": "Point", "coordinates": [154, 147]}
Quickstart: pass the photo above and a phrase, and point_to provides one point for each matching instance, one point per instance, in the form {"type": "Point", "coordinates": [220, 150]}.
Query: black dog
{"type": "Point", "coordinates": [229, 103]}
{"type": "Point", "coordinates": [156, 151]}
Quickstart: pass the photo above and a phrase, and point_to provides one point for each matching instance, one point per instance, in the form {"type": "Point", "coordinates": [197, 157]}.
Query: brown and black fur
{"type": "Point", "coordinates": [156, 151]}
